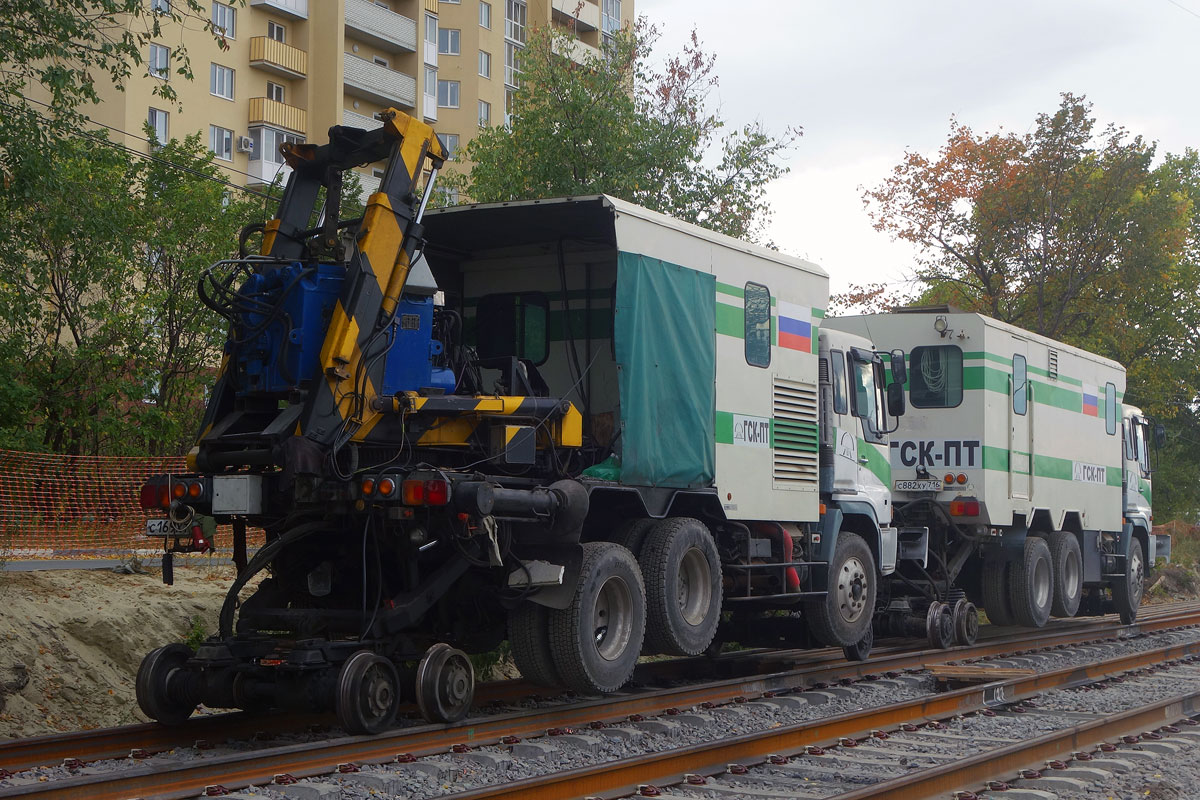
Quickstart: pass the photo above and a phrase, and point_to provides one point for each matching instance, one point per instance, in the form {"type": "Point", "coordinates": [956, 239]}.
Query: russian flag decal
{"type": "Point", "coordinates": [1091, 400]}
{"type": "Point", "coordinates": [795, 327]}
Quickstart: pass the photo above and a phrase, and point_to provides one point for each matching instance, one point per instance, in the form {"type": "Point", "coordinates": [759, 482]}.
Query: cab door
{"type": "Point", "coordinates": [867, 404]}
{"type": "Point", "coordinates": [1020, 409]}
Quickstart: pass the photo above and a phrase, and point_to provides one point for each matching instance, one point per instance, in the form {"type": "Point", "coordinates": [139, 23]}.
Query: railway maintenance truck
{"type": "Point", "coordinates": [578, 424]}
{"type": "Point", "coordinates": [1030, 473]}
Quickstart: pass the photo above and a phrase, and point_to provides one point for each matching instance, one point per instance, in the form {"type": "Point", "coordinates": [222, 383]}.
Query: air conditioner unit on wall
{"type": "Point", "coordinates": [245, 144]}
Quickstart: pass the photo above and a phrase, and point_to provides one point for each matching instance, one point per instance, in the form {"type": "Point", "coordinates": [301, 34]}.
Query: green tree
{"type": "Point", "coordinates": [605, 122]}
{"type": "Point", "coordinates": [1072, 232]}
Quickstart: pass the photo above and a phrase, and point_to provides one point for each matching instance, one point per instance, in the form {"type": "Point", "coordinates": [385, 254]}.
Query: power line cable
{"type": "Point", "coordinates": [1184, 8]}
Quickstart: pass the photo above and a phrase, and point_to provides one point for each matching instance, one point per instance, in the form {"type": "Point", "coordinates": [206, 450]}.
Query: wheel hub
{"type": "Point", "coordinates": [612, 620]}
{"type": "Point", "coordinates": [852, 589]}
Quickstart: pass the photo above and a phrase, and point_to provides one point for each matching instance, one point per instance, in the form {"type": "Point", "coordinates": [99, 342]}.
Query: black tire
{"type": "Point", "coordinates": [682, 573]}
{"type": "Point", "coordinates": [529, 635]}
{"type": "Point", "coordinates": [1031, 584]}
{"type": "Point", "coordinates": [596, 640]}
{"type": "Point", "coordinates": [367, 693]}
{"type": "Point", "coordinates": [1127, 592]}
{"type": "Point", "coordinates": [160, 693]}
{"type": "Point", "coordinates": [631, 533]}
{"type": "Point", "coordinates": [861, 650]}
{"type": "Point", "coordinates": [966, 622]}
{"type": "Point", "coordinates": [842, 617]}
{"type": "Point", "coordinates": [995, 592]}
{"type": "Point", "coordinates": [1067, 560]}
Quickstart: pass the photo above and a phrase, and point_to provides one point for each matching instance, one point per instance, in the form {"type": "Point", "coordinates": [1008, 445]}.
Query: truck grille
{"type": "Point", "coordinates": [794, 436]}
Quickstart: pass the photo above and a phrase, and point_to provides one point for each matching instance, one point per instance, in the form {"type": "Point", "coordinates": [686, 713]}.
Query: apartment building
{"type": "Point", "coordinates": [293, 68]}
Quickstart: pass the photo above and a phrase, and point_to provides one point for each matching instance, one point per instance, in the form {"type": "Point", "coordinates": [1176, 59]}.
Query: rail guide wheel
{"type": "Point", "coordinates": [939, 626]}
{"type": "Point", "coordinates": [966, 622]}
{"type": "Point", "coordinates": [367, 693]}
{"type": "Point", "coordinates": [162, 690]}
{"type": "Point", "coordinates": [445, 684]}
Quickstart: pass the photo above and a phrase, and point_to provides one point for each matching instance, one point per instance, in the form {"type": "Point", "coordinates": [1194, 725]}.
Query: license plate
{"type": "Point", "coordinates": [162, 527]}
{"type": "Point", "coordinates": [919, 486]}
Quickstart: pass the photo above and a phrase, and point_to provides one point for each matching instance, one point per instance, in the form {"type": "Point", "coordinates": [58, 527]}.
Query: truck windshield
{"type": "Point", "coordinates": [936, 377]}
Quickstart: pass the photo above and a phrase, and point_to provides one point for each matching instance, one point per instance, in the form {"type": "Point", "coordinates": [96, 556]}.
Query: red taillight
{"type": "Point", "coordinates": [964, 508]}
{"type": "Point", "coordinates": [948, 478]}
{"type": "Point", "coordinates": [195, 489]}
{"type": "Point", "coordinates": [386, 487]}
{"type": "Point", "coordinates": [437, 492]}
{"type": "Point", "coordinates": [413, 493]}
{"type": "Point", "coordinates": [179, 490]}
{"type": "Point", "coordinates": [148, 497]}
{"type": "Point", "coordinates": [368, 487]}
{"type": "Point", "coordinates": [164, 497]}
{"type": "Point", "coordinates": [962, 478]}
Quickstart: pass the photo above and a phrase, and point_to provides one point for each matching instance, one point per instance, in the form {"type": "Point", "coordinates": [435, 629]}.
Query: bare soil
{"type": "Point", "coordinates": [71, 641]}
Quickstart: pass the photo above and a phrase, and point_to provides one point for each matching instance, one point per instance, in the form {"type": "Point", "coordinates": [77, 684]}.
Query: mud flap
{"type": "Point", "coordinates": [570, 557]}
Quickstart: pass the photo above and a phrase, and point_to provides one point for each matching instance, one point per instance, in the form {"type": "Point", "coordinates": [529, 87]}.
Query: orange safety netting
{"type": "Point", "coordinates": [56, 505]}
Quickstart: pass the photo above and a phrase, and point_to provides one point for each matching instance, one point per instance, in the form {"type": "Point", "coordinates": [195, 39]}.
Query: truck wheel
{"type": "Point", "coordinates": [1031, 584]}
{"type": "Point", "coordinates": [842, 617]}
{"type": "Point", "coordinates": [682, 573]}
{"type": "Point", "coordinates": [939, 626]}
{"type": "Point", "coordinates": [631, 533]}
{"type": "Point", "coordinates": [529, 635]}
{"type": "Point", "coordinates": [966, 622]}
{"type": "Point", "coordinates": [861, 650]}
{"type": "Point", "coordinates": [367, 693]}
{"type": "Point", "coordinates": [995, 592]}
{"type": "Point", "coordinates": [1068, 573]}
{"type": "Point", "coordinates": [160, 694]}
{"type": "Point", "coordinates": [596, 640]}
{"type": "Point", "coordinates": [445, 684]}
{"type": "Point", "coordinates": [1127, 592]}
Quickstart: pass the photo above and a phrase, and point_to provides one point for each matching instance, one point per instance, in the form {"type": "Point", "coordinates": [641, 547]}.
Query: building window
{"type": "Point", "coordinates": [514, 20]}
{"type": "Point", "coordinates": [758, 325]}
{"type": "Point", "coordinates": [160, 62]}
{"type": "Point", "coordinates": [485, 114]}
{"type": "Point", "coordinates": [485, 15]}
{"type": "Point", "coordinates": [512, 65]}
{"type": "Point", "coordinates": [431, 29]}
{"type": "Point", "coordinates": [224, 19]}
{"type": "Point", "coordinates": [451, 2]}
{"type": "Point", "coordinates": [430, 81]}
{"type": "Point", "coordinates": [220, 141]}
{"type": "Point", "coordinates": [510, 105]}
{"type": "Point", "coordinates": [448, 42]}
{"type": "Point", "coordinates": [158, 123]}
{"type": "Point", "coordinates": [161, 6]}
{"type": "Point", "coordinates": [221, 81]}
{"type": "Point", "coordinates": [447, 94]}
{"type": "Point", "coordinates": [274, 92]}
{"type": "Point", "coordinates": [451, 142]}
{"type": "Point", "coordinates": [610, 16]}
{"type": "Point", "coordinates": [267, 141]}
{"type": "Point", "coordinates": [276, 31]}
{"type": "Point", "coordinates": [380, 60]}
{"type": "Point", "coordinates": [485, 64]}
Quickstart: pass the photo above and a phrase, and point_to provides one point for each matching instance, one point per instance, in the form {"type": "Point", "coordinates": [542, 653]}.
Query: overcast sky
{"type": "Point", "coordinates": [868, 79]}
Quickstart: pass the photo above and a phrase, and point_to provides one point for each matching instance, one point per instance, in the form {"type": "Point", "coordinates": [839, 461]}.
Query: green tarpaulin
{"type": "Point", "coordinates": [666, 362]}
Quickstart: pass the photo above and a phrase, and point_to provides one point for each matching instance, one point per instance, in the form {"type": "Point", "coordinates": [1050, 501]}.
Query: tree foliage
{"type": "Point", "coordinates": [606, 122]}
{"type": "Point", "coordinates": [1071, 231]}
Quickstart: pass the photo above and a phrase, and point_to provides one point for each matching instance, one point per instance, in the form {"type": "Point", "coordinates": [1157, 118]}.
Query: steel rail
{"type": "Point", "coordinates": [994, 764]}
{"type": "Point", "coordinates": [98, 744]}
{"type": "Point", "coordinates": [615, 779]}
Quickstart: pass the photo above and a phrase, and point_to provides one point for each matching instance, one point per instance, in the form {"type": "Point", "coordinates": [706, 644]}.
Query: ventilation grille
{"type": "Point", "coordinates": [794, 439]}
{"type": "Point", "coordinates": [1052, 364]}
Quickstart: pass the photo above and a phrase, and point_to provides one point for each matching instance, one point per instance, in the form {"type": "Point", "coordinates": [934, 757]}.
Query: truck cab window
{"type": "Point", "coordinates": [1142, 433]}
{"type": "Point", "coordinates": [1129, 432]}
{"type": "Point", "coordinates": [837, 374]}
{"type": "Point", "coordinates": [758, 325]}
{"type": "Point", "coordinates": [865, 397]}
{"type": "Point", "coordinates": [513, 324]}
{"type": "Point", "coordinates": [936, 377]}
{"type": "Point", "coordinates": [1020, 386]}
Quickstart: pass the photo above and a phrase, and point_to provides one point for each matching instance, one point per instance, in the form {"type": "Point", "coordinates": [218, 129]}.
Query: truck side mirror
{"type": "Point", "coordinates": [895, 398]}
{"type": "Point", "coordinates": [1160, 435]}
{"type": "Point", "coordinates": [899, 369]}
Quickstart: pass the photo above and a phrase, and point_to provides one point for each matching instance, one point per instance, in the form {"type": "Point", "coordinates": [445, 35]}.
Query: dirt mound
{"type": "Point", "coordinates": [71, 641]}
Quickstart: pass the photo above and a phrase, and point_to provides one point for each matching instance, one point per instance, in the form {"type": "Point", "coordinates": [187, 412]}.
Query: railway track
{"type": "Point", "coordinates": [649, 714]}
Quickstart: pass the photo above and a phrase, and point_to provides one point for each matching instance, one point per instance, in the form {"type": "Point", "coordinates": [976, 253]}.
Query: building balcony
{"type": "Point", "coordinates": [278, 58]}
{"type": "Point", "coordinates": [379, 84]}
{"type": "Point", "coordinates": [577, 51]}
{"type": "Point", "coordinates": [385, 29]}
{"type": "Point", "coordinates": [354, 120]}
{"type": "Point", "coordinates": [264, 171]}
{"type": "Point", "coordinates": [585, 15]}
{"type": "Point", "coordinates": [278, 115]}
{"type": "Point", "coordinates": [296, 9]}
